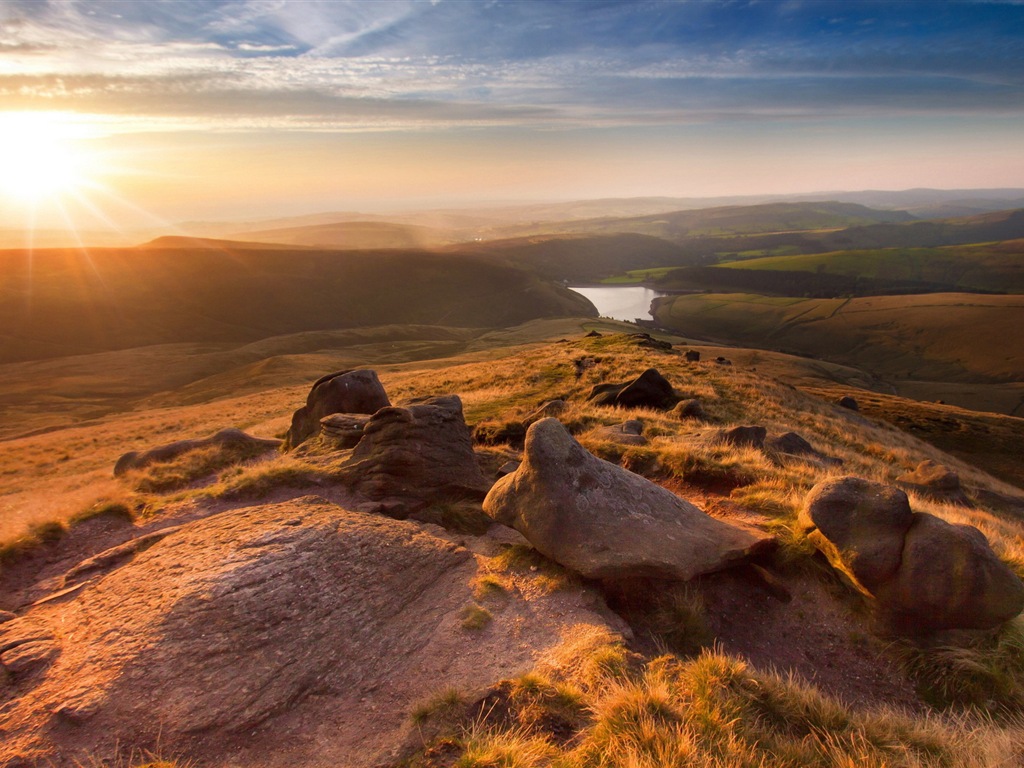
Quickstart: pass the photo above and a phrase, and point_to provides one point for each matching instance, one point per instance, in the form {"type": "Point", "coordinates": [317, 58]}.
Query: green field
{"type": "Point", "coordinates": [985, 266]}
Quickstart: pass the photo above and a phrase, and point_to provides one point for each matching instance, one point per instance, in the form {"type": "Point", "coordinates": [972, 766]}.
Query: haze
{"type": "Point", "coordinates": [247, 108]}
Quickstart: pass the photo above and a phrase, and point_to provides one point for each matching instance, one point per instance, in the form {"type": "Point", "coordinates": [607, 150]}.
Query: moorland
{"type": "Point", "coordinates": [238, 605]}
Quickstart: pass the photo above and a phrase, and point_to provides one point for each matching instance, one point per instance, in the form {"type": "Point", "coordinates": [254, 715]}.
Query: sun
{"type": "Point", "coordinates": [40, 159]}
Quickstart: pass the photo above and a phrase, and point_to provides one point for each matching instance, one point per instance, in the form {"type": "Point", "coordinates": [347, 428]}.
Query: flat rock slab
{"type": "Point", "coordinates": [605, 522]}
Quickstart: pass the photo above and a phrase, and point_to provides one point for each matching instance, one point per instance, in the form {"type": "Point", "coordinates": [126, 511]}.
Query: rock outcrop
{"type": "Point", "coordinates": [298, 618]}
{"type": "Point", "coordinates": [926, 574]}
{"type": "Point", "coordinates": [648, 390]}
{"type": "Point", "coordinates": [605, 522]}
{"type": "Point", "coordinates": [415, 455]}
{"type": "Point", "coordinates": [690, 408]}
{"type": "Point", "coordinates": [629, 432]}
{"type": "Point", "coordinates": [345, 430]}
{"type": "Point", "coordinates": [234, 439]}
{"type": "Point", "coordinates": [792, 444]}
{"type": "Point", "coordinates": [353, 391]}
{"type": "Point", "coordinates": [741, 437]}
{"type": "Point", "coordinates": [932, 479]}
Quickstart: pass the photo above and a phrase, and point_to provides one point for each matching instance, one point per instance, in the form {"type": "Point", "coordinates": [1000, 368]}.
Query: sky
{"type": "Point", "coordinates": [233, 109]}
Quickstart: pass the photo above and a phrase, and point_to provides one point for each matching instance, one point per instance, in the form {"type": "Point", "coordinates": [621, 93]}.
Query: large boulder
{"type": "Point", "coordinates": [605, 522]}
{"type": "Point", "coordinates": [932, 476]}
{"type": "Point", "coordinates": [415, 455]}
{"type": "Point", "coordinates": [742, 437]}
{"type": "Point", "coordinates": [792, 444]}
{"type": "Point", "coordinates": [353, 391]}
{"type": "Point", "coordinates": [232, 439]}
{"type": "Point", "coordinates": [925, 574]}
{"type": "Point", "coordinates": [648, 390]}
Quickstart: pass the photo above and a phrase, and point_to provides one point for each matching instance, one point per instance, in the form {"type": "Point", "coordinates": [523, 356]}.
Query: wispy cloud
{"type": "Point", "coordinates": [367, 65]}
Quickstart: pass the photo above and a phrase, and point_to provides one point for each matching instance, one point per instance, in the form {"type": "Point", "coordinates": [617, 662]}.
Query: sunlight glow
{"type": "Point", "coordinates": [40, 159]}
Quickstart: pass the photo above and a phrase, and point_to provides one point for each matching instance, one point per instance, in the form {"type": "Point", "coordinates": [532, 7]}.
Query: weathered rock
{"type": "Point", "coordinates": [689, 409]}
{"type": "Point", "coordinates": [508, 468]}
{"type": "Point", "coordinates": [692, 356]}
{"type": "Point", "coordinates": [648, 341]}
{"type": "Point", "coordinates": [627, 433]}
{"type": "Point", "coordinates": [925, 574]}
{"type": "Point", "coordinates": [417, 454]}
{"type": "Point", "coordinates": [932, 476]}
{"type": "Point", "coordinates": [6, 616]}
{"type": "Point", "coordinates": [792, 444]}
{"type": "Point", "coordinates": [344, 429]}
{"type": "Point", "coordinates": [848, 402]}
{"type": "Point", "coordinates": [353, 391]}
{"type": "Point", "coordinates": [233, 438]}
{"type": "Point", "coordinates": [859, 525]}
{"type": "Point", "coordinates": [593, 335]}
{"type": "Point", "coordinates": [115, 556]}
{"type": "Point", "coordinates": [648, 390]}
{"type": "Point", "coordinates": [29, 657]}
{"type": "Point", "coordinates": [550, 408]}
{"type": "Point", "coordinates": [949, 578]}
{"type": "Point", "coordinates": [504, 433]}
{"type": "Point", "coordinates": [605, 522]}
{"type": "Point", "coordinates": [723, 361]}
{"type": "Point", "coordinates": [742, 437]}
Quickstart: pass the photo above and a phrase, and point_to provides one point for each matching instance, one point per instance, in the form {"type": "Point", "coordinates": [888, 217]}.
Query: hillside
{"type": "Point", "coordinates": [66, 302]}
{"type": "Point", "coordinates": [933, 338]}
{"type": "Point", "coordinates": [355, 235]}
{"type": "Point", "coordinates": [997, 267]}
{"type": "Point", "coordinates": [336, 634]}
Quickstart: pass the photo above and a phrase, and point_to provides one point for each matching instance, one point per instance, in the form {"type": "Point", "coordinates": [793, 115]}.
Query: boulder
{"type": "Point", "coordinates": [416, 455]}
{"type": "Point", "coordinates": [949, 578]}
{"type": "Point", "coordinates": [742, 437]}
{"type": "Point", "coordinates": [848, 402]}
{"type": "Point", "coordinates": [649, 342]}
{"type": "Point", "coordinates": [859, 525]}
{"type": "Point", "coordinates": [230, 438]}
{"type": "Point", "coordinates": [926, 575]}
{"type": "Point", "coordinates": [933, 476]}
{"type": "Point", "coordinates": [689, 409]}
{"type": "Point", "coordinates": [627, 433]}
{"type": "Point", "coordinates": [353, 391]}
{"type": "Point", "coordinates": [648, 390]}
{"type": "Point", "coordinates": [692, 356]}
{"type": "Point", "coordinates": [605, 522]}
{"type": "Point", "coordinates": [792, 444]}
{"type": "Point", "coordinates": [344, 429]}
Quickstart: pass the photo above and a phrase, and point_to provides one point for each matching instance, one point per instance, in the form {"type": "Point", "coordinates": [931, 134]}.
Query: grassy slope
{"type": "Point", "coordinates": [987, 266]}
{"type": "Point", "coordinates": [714, 710]}
{"type": "Point", "coordinates": [356, 235]}
{"type": "Point", "coordinates": [57, 303]}
{"type": "Point", "coordinates": [939, 337]}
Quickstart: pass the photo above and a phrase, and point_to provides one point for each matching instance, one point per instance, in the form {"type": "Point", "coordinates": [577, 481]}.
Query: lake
{"type": "Point", "coordinates": [621, 302]}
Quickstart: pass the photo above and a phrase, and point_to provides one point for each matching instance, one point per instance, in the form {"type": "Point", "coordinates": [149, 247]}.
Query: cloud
{"type": "Point", "coordinates": [360, 65]}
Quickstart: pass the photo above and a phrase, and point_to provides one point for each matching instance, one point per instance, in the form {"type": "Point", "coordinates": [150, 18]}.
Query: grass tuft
{"type": "Point", "coordinates": [475, 617]}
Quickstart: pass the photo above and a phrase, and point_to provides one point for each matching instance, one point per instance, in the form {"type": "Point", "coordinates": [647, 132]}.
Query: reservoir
{"type": "Point", "coordinates": [620, 302]}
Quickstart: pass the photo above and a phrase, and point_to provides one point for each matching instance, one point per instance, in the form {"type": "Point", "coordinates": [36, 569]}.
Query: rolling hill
{"type": "Point", "coordinates": [66, 302]}
{"type": "Point", "coordinates": [356, 235]}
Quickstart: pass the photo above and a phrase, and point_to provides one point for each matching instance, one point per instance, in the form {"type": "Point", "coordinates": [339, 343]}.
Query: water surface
{"type": "Point", "coordinates": [620, 302]}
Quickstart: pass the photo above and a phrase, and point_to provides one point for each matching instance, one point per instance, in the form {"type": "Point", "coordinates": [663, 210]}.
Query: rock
{"type": "Point", "coordinates": [648, 341]}
{"type": "Point", "coordinates": [583, 364]}
{"type": "Point", "coordinates": [925, 574]}
{"type": "Point", "coordinates": [723, 361]}
{"type": "Point", "coordinates": [550, 408]}
{"type": "Point", "coordinates": [933, 476]}
{"type": "Point", "coordinates": [848, 402]}
{"type": "Point", "coordinates": [417, 454]}
{"type": "Point", "coordinates": [593, 335]}
{"type": "Point", "coordinates": [344, 429]}
{"type": "Point", "coordinates": [689, 409]}
{"type": "Point", "coordinates": [508, 468]}
{"type": "Point", "coordinates": [114, 556]}
{"type": "Point", "coordinates": [605, 522]}
{"type": "Point", "coordinates": [742, 437]}
{"type": "Point", "coordinates": [859, 525]}
{"type": "Point", "coordinates": [949, 578]}
{"type": "Point", "coordinates": [792, 444]}
{"type": "Point", "coordinates": [234, 438]}
{"type": "Point", "coordinates": [648, 390]}
{"type": "Point", "coordinates": [627, 433]}
{"type": "Point", "coordinates": [6, 616]}
{"type": "Point", "coordinates": [692, 356]}
{"type": "Point", "coordinates": [507, 433]}
{"type": "Point", "coordinates": [353, 391]}
{"type": "Point", "coordinates": [29, 657]}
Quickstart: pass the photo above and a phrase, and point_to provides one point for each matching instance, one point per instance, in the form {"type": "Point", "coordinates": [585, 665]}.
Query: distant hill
{"type": "Point", "coordinates": [580, 258]}
{"type": "Point", "coordinates": [987, 267]}
{"type": "Point", "coordinates": [356, 235]}
{"type": "Point", "coordinates": [67, 302]}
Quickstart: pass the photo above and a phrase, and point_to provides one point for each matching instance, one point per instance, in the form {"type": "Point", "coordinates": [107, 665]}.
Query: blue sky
{"type": "Point", "coordinates": [619, 83]}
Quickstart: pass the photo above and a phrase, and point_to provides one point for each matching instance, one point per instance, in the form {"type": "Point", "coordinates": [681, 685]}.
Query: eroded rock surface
{"type": "Point", "coordinates": [354, 391]}
{"type": "Point", "coordinates": [234, 438]}
{"type": "Point", "coordinates": [629, 432]}
{"type": "Point", "coordinates": [605, 522]}
{"type": "Point", "coordinates": [415, 455]}
{"type": "Point", "coordinates": [926, 574]}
